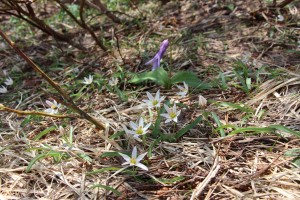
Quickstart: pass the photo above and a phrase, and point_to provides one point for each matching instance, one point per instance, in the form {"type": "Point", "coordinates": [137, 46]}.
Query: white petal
{"type": "Point", "coordinates": [167, 108]}
{"type": "Point", "coordinates": [133, 125]}
{"type": "Point", "coordinates": [125, 129]}
{"type": "Point", "coordinates": [174, 108]}
{"type": "Point", "coordinates": [168, 120]}
{"type": "Point", "coordinates": [134, 152]}
{"type": "Point", "coordinates": [147, 126]}
{"type": "Point", "coordinates": [165, 115]}
{"type": "Point", "coordinates": [180, 87]}
{"type": "Point", "coordinates": [50, 104]}
{"type": "Point", "coordinates": [141, 122]}
{"type": "Point", "coordinates": [161, 98]}
{"type": "Point", "coordinates": [178, 113]}
{"type": "Point", "coordinates": [126, 163]}
{"type": "Point", "coordinates": [157, 95]}
{"type": "Point", "coordinates": [136, 136]}
{"type": "Point", "coordinates": [140, 157]}
{"type": "Point", "coordinates": [142, 166]}
{"type": "Point", "coordinates": [186, 86]}
{"type": "Point", "coordinates": [175, 119]}
{"type": "Point", "coordinates": [150, 97]}
{"type": "Point", "coordinates": [127, 158]}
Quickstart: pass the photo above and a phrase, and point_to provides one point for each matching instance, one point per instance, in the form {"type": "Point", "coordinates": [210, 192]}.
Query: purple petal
{"type": "Point", "coordinates": [149, 62]}
{"type": "Point", "coordinates": [163, 47]}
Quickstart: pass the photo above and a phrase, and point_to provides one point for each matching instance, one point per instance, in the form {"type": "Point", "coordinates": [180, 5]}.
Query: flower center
{"type": "Point", "coordinates": [54, 107]}
{"type": "Point", "coordinates": [139, 131]}
{"type": "Point", "coordinates": [154, 102]}
{"type": "Point", "coordinates": [133, 161]}
{"type": "Point", "coordinates": [172, 115]}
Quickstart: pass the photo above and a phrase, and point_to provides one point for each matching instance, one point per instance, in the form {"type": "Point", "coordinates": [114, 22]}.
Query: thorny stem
{"type": "Point", "coordinates": [63, 93]}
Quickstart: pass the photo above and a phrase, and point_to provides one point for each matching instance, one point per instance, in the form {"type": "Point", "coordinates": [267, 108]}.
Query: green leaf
{"type": "Point", "coordinates": [253, 129]}
{"type": "Point", "coordinates": [241, 107]}
{"type": "Point", "coordinates": [121, 94]}
{"type": "Point", "coordinates": [34, 160]}
{"type": "Point", "coordinates": [85, 157]}
{"type": "Point", "coordinates": [107, 188]}
{"type": "Point", "coordinates": [110, 154]}
{"type": "Point", "coordinates": [156, 130]}
{"type": "Point", "coordinates": [104, 170]}
{"type": "Point", "coordinates": [292, 153]}
{"type": "Point", "coordinates": [217, 120]}
{"type": "Point", "coordinates": [116, 135]}
{"type": "Point", "coordinates": [159, 76]}
{"type": "Point", "coordinates": [44, 132]}
{"type": "Point", "coordinates": [296, 161]}
{"type": "Point", "coordinates": [189, 78]}
{"type": "Point", "coordinates": [188, 127]}
{"type": "Point", "coordinates": [285, 129]}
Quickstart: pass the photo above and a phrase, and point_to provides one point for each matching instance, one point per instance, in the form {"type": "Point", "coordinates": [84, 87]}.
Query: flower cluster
{"type": "Point", "coordinates": [8, 81]}
{"type": "Point", "coordinates": [140, 128]}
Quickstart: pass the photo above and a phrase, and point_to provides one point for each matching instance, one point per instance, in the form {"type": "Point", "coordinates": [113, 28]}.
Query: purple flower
{"type": "Point", "coordinates": [155, 61]}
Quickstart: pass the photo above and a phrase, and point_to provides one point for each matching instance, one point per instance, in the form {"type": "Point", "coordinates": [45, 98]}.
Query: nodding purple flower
{"type": "Point", "coordinates": [155, 61]}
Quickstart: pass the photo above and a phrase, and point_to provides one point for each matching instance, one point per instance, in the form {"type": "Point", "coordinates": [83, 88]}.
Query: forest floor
{"type": "Point", "coordinates": [242, 144]}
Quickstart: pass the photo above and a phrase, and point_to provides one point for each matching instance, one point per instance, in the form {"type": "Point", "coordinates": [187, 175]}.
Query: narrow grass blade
{"type": "Point", "coordinates": [217, 120]}
{"type": "Point", "coordinates": [188, 127]}
{"type": "Point", "coordinates": [107, 188]}
{"type": "Point", "coordinates": [44, 132]}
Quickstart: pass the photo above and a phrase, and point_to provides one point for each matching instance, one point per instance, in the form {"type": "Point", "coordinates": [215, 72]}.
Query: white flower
{"type": "Point", "coordinates": [113, 81]}
{"type": "Point", "coordinates": [3, 89]}
{"type": "Point", "coordinates": [88, 80]}
{"type": "Point", "coordinates": [54, 107]}
{"type": "Point", "coordinates": [154, 102]}
{"type": "Point", "coordinates": [280, 18]}
{"type": "Point", "coordinates": [134, 160]}
{"type": "Point", "coordinates": [139, 129]}
{"type": "Point", "coordinates": [183, 90]}
{"type": "Point", "coordinates": [171, 114]}
{"type": "Point", "coordinates": [202, 101]}
{"type": "Point", "coordinates": [8, 81]}
{"type": "Point", "coordinates": [293, 10]}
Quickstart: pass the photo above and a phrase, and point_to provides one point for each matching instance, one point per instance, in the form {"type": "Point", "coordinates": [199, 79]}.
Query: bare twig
{"type": "Point", "coordinates": [102, 8]}
{"type": "Point", "coordinates": [85, 26]}
{"type": "Point", "coordinates": [284, 3]}
{"type": "Point", "coordinates": [21, 112]}
{"type": "Point", "coordinates": [30, 17]}
{"type": "Point", "coordinates": [63, 93]}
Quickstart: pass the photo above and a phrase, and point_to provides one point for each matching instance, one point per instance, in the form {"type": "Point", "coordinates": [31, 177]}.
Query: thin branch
{"type": "Point", "coordinates": [85, 26]}
{"type": "Point", "coordinates": [21, 112]}
{"type": "Point", "coordinates": [284, 3]}
{"type": "Point", "coordinates": [63, 93]}
{"type": "Point", "coordinates": [97, 4]}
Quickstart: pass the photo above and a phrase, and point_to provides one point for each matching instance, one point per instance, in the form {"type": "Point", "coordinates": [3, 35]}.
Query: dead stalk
{"type": "Point", "coordinates": [63, 93]}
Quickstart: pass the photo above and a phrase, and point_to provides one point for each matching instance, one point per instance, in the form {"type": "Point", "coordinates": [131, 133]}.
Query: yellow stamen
{"type": "Point", "coordinates": [133, 161]}
{"type": "Point", "coordinates": [154, 102]}
{"type": "Point", "coordinates": [139, 131]}
{"type": "Point", "coordinates": [54, 107]}
{"type": "Point", "coordinates": [172, 115]}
